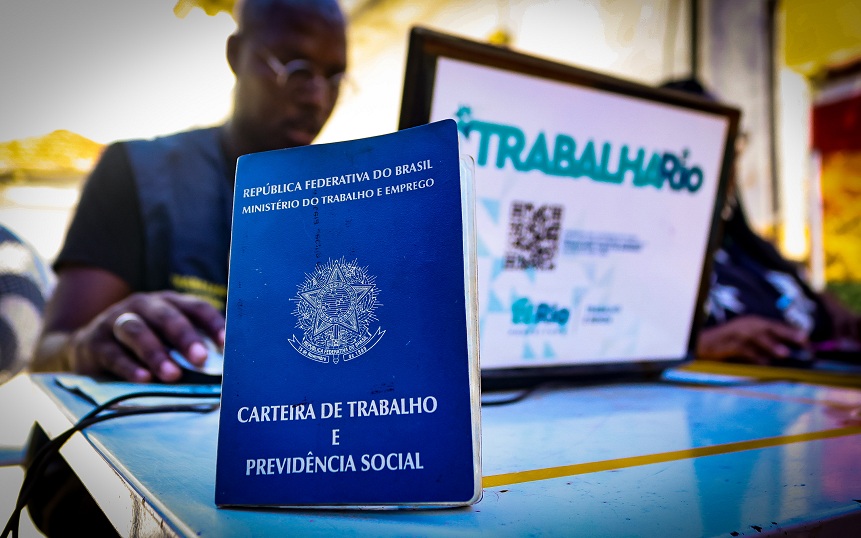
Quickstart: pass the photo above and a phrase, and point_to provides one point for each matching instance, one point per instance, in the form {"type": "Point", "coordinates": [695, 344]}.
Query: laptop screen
{"type": "Point", "coordinates": [596, 210]}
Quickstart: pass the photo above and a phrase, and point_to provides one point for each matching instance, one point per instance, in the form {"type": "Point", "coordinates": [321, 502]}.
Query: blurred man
{"type": "Point", "coordinates": [760, 309]}
{"type": "Point", "coordinates": [144, 265]}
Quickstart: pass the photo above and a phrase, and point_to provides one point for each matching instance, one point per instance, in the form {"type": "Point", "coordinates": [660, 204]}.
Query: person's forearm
{"type": "Point", "coordinates": [53, 353]}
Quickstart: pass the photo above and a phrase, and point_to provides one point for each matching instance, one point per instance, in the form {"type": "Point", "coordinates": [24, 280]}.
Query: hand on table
{"type": "Point", "coordinates": [132, 338]}
{"type": "Point", "coordinates": [750, 339]}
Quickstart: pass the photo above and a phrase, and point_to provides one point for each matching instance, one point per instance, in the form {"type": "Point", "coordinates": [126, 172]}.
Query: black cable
{"type": "Point", "coordinates": [521, 394]}
{"type": "Point", "coordinates": [42, 457]}
{"type": "Point", "coordinates": [87, 420]}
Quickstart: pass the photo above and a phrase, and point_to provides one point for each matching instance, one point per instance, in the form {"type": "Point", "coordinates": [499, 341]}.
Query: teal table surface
{"type": "Point", "coordinates": [664, 458]}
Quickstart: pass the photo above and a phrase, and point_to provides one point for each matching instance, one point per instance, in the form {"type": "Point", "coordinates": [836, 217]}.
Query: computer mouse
{"type": "Point", "coordinates": [207, 373]}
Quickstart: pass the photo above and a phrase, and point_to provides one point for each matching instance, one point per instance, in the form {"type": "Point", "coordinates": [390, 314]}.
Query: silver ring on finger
{"type": "Point", "coordinates": [122, 319]}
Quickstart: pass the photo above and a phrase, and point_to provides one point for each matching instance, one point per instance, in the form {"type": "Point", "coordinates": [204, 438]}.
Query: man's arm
{"type": "Point", "coordinates": [80, 294]}
{"type": "Point", "coordinates": [751, 339]}
{"type": "Point", "coordinates": [80, 333]}
{"type": "Point", "coordinates": [99, 268]}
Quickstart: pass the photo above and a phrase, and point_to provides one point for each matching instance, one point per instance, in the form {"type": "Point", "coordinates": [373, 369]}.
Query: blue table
{"type": "Point", "coordinates": [725, 457]}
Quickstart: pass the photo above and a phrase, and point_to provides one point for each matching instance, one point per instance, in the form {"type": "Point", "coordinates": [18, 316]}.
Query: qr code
{"type": "Point", "coordinates": [533, 236]}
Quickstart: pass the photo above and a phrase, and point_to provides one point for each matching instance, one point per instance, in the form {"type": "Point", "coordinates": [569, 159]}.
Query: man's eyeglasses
{"type": "Point", "coordinates": [298, 73]}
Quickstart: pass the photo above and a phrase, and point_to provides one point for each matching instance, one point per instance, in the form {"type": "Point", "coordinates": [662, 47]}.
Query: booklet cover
{"type": "Point", "coordinates": [351, 357]}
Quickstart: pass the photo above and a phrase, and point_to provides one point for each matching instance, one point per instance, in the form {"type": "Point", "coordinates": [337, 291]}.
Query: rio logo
{"type": "Point", "coordinates": [525, 312]}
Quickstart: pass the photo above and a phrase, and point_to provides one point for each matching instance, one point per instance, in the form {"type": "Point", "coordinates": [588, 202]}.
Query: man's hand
{"type": "Point", "coordinates": [132, 338]}
{"type": "Point", "coordinates": [94, 324]}
{"type": "Point", "coordinates": [750, 339]}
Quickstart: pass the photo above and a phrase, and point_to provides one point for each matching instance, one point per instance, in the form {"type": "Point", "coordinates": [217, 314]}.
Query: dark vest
{"type": "Point", "coordinates": [186, 198]}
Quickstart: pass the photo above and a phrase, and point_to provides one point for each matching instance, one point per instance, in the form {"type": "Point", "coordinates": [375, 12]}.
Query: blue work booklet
{"type": "Point", "coordinates": [351, 357]}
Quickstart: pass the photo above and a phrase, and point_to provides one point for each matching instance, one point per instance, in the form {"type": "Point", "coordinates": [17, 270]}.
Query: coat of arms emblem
{"type": "Point", "coordinates": [335, 309]}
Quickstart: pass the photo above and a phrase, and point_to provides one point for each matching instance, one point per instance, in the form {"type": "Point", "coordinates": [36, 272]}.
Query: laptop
{"type": "Point", "coordinates": [597, 208]}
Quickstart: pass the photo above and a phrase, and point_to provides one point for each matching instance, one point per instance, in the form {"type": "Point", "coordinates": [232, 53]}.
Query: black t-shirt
{"type": "Point", "coordinates": [107, 229]}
